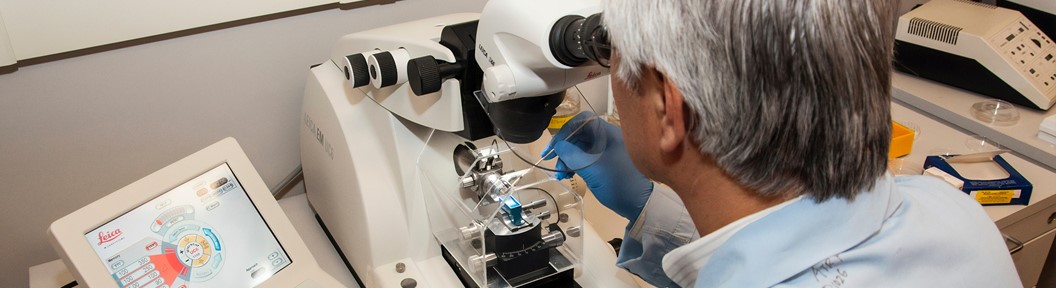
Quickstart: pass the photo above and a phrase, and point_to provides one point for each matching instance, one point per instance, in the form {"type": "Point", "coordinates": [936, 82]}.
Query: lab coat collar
{"type": "Point", "coordinates": [798, 237]}
{"type": "Point", "coordinates": [683, 263]}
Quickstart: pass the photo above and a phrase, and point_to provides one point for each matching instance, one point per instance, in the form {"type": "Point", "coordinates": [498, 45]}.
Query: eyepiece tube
{"type": "Point", "coordinates": [576, 40]}
{"type": "Point", "coordinates": [594, 39]}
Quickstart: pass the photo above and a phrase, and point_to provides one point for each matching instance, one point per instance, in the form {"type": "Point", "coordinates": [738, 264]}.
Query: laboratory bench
{"type": "Point", "coordinates": [1029, 230]}
{"type": "Point", "coordinates": [953, 106]}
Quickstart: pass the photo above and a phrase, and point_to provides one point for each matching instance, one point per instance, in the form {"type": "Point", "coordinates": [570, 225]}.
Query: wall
{"type": "Point", "coordinates": [906, 5]}
{"type": "Point", "coordinates": [74, 130]}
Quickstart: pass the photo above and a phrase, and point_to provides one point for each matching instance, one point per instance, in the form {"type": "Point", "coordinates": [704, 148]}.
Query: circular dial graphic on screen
{"type": "Point", "coordinates": [193, 244]}
{"type": "Point", "coordinates": [194, 250]}
{"type": "Point", "coordinates": [197, 248]}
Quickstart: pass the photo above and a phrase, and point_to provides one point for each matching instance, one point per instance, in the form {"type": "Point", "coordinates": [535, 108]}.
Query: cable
{"type": "Point", "coordinates": [279, 189]}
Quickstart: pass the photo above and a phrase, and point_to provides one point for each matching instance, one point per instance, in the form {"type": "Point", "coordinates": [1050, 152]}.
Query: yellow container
{"type": "Point", "coordinates": [901, 140]}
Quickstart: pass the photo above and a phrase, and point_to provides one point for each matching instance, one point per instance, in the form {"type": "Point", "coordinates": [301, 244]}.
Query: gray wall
{"type": "Point", "coordinates": [907, 5]}
{"type": "Point", "coordinates": [74, 130]}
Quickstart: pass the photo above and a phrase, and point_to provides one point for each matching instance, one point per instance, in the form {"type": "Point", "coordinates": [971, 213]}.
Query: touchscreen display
{"type": "Point", "coordinates": [203, 233]}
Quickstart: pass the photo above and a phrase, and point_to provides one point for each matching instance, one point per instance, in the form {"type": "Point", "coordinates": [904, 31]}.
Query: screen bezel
{"type": "Point", "coordinates": [173, 189]}
{"type": "Point", "coordinates": [68, 232]}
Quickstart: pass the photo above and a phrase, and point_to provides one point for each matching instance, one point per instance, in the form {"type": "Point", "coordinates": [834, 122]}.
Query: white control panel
{"type": "Point", "coordinates": [1030, 51]}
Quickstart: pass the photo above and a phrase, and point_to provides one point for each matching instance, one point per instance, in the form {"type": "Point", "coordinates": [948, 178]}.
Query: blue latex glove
{"type": "Point", "coordinates": [613, 178]}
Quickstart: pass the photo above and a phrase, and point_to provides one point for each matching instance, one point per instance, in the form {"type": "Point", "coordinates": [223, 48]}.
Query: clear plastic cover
{"type": "Point", "coordinates": [501, 220]}
{"type": "Point", "coordinates": [978, 143]}
{"type": "Point", "coordinates": [900, 166]}
{"type": "Point", "coordinates": [972, 144]}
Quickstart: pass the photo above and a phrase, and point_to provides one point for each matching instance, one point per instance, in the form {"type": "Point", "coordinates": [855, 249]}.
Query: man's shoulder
{"type": "Point", "coordinates": [926, 192]}
{"type": "Point", "coordinates": [936, 230]}
{"type": "Point", "coordinates": [933, 207]}
{"type": "Point", "coordinates": [939, 228]}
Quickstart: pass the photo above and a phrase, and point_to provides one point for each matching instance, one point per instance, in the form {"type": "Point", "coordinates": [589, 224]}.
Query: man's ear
{"type": "Point", "coordinates": [672, 117]}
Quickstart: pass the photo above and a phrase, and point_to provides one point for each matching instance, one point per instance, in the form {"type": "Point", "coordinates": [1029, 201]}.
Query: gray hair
{"type": "Point", "coordinates": [789, 97]}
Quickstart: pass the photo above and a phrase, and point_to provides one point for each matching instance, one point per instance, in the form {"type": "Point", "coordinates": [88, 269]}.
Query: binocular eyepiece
{"type": "Point", "coordinates": [575, 40]}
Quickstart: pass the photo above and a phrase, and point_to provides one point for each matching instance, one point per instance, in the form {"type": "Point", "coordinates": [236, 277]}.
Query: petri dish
{"type": "Point", "coordinates": [995, 112]}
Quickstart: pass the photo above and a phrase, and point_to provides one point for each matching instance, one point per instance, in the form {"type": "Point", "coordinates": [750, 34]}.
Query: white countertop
{"type": "Point", "coordinates": [953, 106]}
{"type": "Point", "coordinates": [936, 137]}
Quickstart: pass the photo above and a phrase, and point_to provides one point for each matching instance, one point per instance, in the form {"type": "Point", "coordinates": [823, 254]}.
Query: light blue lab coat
{"type": "Point", "coordinates": [909, 231]}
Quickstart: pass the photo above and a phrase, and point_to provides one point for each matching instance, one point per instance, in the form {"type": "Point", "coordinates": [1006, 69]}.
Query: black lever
{"type": "Point", "coordinates": [426, 74]}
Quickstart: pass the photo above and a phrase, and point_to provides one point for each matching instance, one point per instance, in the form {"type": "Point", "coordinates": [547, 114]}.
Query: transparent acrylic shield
{"type": "Point", "coordinates": [576, 130]}
{"type": "Point", "coordinates": [500, 220]}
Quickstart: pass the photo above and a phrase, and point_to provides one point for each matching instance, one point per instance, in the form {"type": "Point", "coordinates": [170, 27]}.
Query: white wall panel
{"type": "Point", "coordinates": [45, 27]}
{"type": "Point", "coordinates": [7, 55]}
{"type": "Point", "coordinates": [74, 130]}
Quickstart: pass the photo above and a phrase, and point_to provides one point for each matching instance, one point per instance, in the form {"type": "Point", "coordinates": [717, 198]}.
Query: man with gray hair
{"type": "Point", "coordinates": [770, 122]}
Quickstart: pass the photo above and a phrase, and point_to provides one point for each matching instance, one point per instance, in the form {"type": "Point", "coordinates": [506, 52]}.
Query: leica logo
{"type": "Point", "coordinates": [593, 74]}
{"type": "Point", "coordinates": [107, 236]}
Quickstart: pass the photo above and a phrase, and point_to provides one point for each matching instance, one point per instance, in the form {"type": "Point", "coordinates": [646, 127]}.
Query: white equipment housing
{"type": "Point", "coordinates": [514, 50]}
{"type": "Point", "coordinates": [368, 159]}
{"type": "Point", "coordinates": [979, 47]}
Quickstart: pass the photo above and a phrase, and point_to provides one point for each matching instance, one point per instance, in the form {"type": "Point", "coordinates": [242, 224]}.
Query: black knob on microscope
{"type": "Point", "coordinates": [426, 74]}
{"type": "Point", "coordinates": [356, 70]}
{"type": "Point", "coordinates": [423, 73]}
